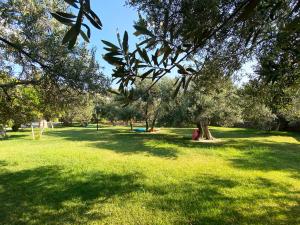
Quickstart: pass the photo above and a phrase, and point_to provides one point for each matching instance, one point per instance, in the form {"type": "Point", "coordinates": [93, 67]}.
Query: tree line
{"type": "Point", "coordinates": [46, 72]}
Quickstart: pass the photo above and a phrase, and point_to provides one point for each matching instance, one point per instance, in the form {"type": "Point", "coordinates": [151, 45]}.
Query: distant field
{"type": "Point", "coordinates": [81, 176]}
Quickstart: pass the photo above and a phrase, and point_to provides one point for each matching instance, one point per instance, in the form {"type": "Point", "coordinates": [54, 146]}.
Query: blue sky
{"type": "Point", "coordinates": [114, 15]}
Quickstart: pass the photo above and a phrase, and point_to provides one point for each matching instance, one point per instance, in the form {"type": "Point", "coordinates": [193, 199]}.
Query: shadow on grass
{"type": "Point", "coordinates": [235, 133]}
{"type": "Point", "coordinates": [3, 163]}
{"type": "Point", "coordinates": [49, 195]}
{"type": "Point", "coordinates": [203, 201]}
{"type": "Point", "coordinates": [11, 136]}
{"type": "Point", "coordinates": [266, 155]}
{"type": "Point", "coordinates": [254, 153]}
{"type": "Point", "coordinates": [120, 141]}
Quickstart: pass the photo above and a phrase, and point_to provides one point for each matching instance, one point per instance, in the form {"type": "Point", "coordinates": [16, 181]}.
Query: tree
{"type": "Point", "coordinates": [152, 101]}
{"type": "Point", "coordinates": [175, 112]}
{"type": "Point", "coordinates": [198, 25]}
{"type": "Point", "coordinates": [270, 106]}
{"type": "Point", "coordinates": [130, 113]}
{"type": "Point", "coordinates": [97, 114]}
{"type": "Point", "coordinates": [174, 32]}
{"type": "Point", "coordinates": [37, 56]}
{"type": "Point", "coordinates": [213, 99]}
{"type": "Point", "coordinates": [79, 109]}
{"type": "Point", "coordinates": [33, 58]}
{"type": "Point", "coordinates": [18, 106]}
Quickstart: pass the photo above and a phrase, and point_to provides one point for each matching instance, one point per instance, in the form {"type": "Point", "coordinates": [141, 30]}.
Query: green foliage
{"type": "Point", "coordinates": [175, 34]}
{"type": "Point", "coordinates": [274, 104]}
{"type": "Point", "coordinates": [79, 109]}
{"type": "Point", "coordinates": [214, 99]}
{"type": "Point", "coordinates": [37, 56]}
{"type": "Point", "coordinates": [84, 11]}
{"type": "Point", "coordinates": [19, 106]}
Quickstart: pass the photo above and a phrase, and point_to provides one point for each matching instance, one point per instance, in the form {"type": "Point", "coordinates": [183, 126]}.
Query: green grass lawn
{"type": "Point", "coordinates": [80, 176]}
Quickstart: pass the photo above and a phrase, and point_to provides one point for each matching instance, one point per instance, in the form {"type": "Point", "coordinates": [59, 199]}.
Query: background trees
{"type": "Point", "coordinates": [200, 43]}
{"type": "Point", "coordinates": [217, 103]}
{"type": "Point", "coordinates": [40, 78]}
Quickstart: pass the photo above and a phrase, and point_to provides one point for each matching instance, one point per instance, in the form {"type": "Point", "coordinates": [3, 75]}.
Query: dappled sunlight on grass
{"type": "Point", "coordinates": [114, 176]}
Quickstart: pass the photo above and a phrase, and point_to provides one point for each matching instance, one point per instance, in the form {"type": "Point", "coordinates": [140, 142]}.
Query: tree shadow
{"type": "Point", "coordinates": [203, 201]}
{"type": "Point", "coordinates": [120, 141]}
{"type": "Point", "coordinates": [235, 133]}
{"type": "Point", "coordinates": [49, 195]}
{"type": "Point", "coordinates": [13, 137]}
{"type": "Point", "coordinates": [3, 163]}
{"type": "Point", "coordinates": [257, 154]}
{"type": "Point", "coordinates": [267, 156]}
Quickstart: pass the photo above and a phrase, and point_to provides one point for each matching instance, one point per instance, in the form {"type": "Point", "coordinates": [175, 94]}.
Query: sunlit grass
{"type": "Point", "coordinates": [114, 176]}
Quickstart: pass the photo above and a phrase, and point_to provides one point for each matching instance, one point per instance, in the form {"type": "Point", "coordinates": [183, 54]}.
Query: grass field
{"type": "Point", "coordinates": [80, 176]}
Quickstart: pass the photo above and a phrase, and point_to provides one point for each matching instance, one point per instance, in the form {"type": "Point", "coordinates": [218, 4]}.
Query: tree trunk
{"type": "Point", "coordinates": [131, 125]}
{"type": "Point", "coordinates": [207, 134]}
{"type": "Point", "coordinates": [3, 131]}
{"type": "Point", "coordinates": [147, 125]}
{"type": "Point", "coordinates": [282, 123]}
{"type": "Point", "coordinates": [199, 126]}
{"type": "Point", "coordinates": [97, 124]}
{"type": "Point", "coordinates": [51, 124]}
{"type": "Point", "coordinates": [153, 121]}
{"type": "Point", "coordinates": [146, 113]}
{"type": "Point", "coordinates": [15, 127]}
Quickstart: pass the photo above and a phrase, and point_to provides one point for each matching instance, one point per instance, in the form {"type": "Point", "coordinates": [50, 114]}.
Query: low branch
{"type": "Point", "coordinates": [23, 52]}
{"type": "Point", "coordinates": [19, 82]}
{"type": "Point", "coordinates": [210, 35]}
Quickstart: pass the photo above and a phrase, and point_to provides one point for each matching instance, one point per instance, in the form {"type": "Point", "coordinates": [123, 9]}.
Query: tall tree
{"type": "Point", "coordinates": [213, 98]}
{"type": "Point", "coordinates": [30, 44]}
{"type": "Point", "coordinates": [175, 31]}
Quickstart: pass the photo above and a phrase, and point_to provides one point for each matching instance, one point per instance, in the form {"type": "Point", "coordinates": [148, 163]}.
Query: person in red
{"type": "Point", "coordinates": [196, 134]}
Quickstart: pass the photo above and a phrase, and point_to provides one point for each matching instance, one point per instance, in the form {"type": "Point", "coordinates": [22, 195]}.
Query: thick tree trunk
{"type": "Point", "coordinates": [199, 126]}
{"type": "Point", "coordinates": [207, 133]}
{"type": "Point", "coordinates": [282, 123]}
{"type": "Point", "coordinates": [15, 127]}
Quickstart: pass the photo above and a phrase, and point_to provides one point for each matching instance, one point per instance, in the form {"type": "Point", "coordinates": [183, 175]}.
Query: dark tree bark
{"type": "Point", "coordinates": [15, 127]}
{"type": "Point", "coordinates": [147, 125]}
{"type": "Point", "coordinates": [146, 114]}
{"type": "Point", "coordinates": [282, 123]}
